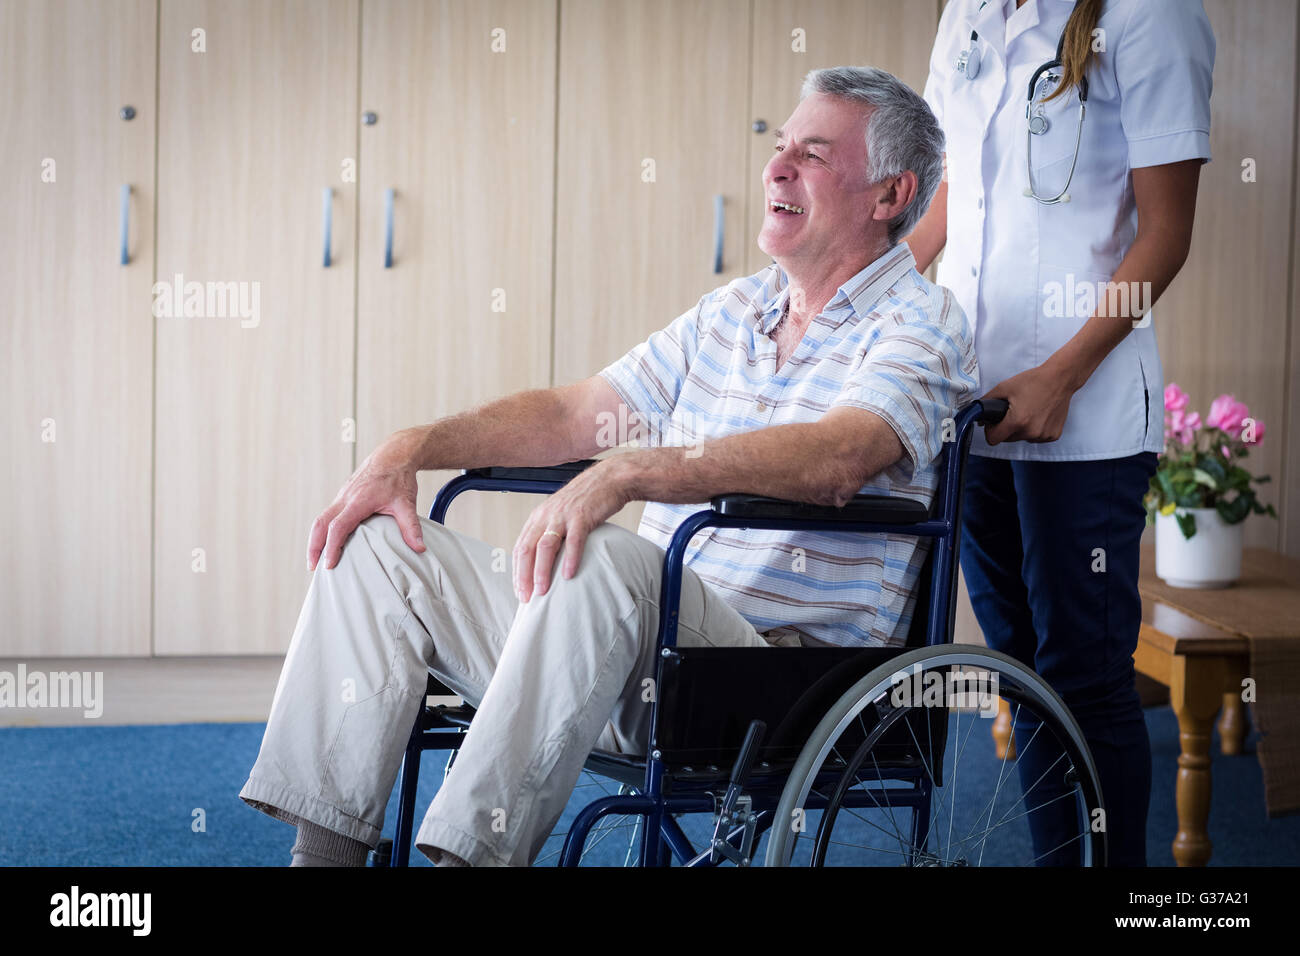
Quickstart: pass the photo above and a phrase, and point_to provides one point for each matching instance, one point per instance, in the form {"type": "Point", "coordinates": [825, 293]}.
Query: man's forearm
{"type": "Point", "coordinates": [527, 428]}
{"type": "Point", "coordinates": [805, 462]}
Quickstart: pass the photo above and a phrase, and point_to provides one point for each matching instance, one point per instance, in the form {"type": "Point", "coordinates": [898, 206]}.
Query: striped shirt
{"type": "Point", "coordinates": [889, 341]}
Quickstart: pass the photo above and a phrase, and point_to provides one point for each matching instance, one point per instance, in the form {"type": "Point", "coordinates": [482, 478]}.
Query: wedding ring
{"type": "Point", "coordinates": [549, 531]}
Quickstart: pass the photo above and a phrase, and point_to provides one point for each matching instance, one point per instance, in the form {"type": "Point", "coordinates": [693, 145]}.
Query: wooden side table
{"type": "Point", "coordinates": [1202, 666]}
{"type": "Point", "coordinates": [1197, 643]}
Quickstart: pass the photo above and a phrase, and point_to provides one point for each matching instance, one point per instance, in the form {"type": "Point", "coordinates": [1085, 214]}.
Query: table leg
{"type": "Point", "coordinates": [1196, 693]}
{"type": "Point", "coordinates": [1004, 745]}
{"type": "Point", "coordinates": [1232, 724]}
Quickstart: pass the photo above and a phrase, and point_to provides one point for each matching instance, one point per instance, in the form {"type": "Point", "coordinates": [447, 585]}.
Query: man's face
{"type": "Point", "coordinates": [818, 165]}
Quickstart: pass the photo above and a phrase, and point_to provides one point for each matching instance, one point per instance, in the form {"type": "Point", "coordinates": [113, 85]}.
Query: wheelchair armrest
{"type": "Point", "coordinates": [875, 509]}
{"type": "Point", "coordinates": [561, 474]}
{"type": "Point", "coordinates": [878, 509]}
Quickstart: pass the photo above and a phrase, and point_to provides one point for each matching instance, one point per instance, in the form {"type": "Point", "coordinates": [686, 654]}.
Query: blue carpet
{"type": "Point", "coordinates": [127, 796]}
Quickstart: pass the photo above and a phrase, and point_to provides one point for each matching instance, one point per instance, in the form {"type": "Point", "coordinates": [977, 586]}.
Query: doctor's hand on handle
{"type": "Point", "coordinates": [384, 484]}
{"type": "Point", "coordinates": [1038, 400]}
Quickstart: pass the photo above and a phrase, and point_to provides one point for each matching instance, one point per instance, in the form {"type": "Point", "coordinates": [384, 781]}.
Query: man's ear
{"type": "Point", "coordinates": [897, 193]}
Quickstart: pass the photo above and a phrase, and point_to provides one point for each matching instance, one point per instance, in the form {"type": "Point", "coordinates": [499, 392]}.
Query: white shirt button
{"type": "Point", "coordinates": [761, 406]}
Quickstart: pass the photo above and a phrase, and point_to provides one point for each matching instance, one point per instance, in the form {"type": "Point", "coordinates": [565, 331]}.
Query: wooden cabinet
{"type": "Point", "coordinates": [254, 402]}
{"type": "Point", "coordinates": [76, 332]}
{"type": "Point", "coordinates": [792, 37]}
{"type": "Point", "coordinates": [463, 96]}
{"type": "Point", "coordinates": [653, 128]}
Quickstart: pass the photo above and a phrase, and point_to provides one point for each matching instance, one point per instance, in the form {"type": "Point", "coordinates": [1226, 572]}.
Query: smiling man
{"type": "Point", "coordinates": [830, 372]}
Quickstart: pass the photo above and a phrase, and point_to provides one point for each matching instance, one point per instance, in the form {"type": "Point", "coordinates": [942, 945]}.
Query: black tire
{"type": "Point", "coordinates": [868, 723]}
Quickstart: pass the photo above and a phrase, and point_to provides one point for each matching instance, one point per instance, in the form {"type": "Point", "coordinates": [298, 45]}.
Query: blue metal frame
{"type": "Point", "coordinates": [661, 833]}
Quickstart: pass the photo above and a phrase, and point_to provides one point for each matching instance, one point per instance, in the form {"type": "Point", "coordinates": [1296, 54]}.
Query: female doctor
{"type": "Point", "coordinates": [1075, 135]}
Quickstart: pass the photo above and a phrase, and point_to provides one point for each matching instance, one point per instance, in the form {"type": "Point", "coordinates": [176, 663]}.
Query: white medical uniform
{"type": "Point", "coordinates": [1006, 253]}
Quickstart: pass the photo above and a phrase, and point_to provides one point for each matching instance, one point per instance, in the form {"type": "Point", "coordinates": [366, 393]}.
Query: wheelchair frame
{"type": "Point", "coordinates": [739, 820]}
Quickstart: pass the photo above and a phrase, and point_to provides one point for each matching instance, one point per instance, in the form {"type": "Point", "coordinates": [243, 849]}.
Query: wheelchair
{"type": "Point", "coordinates": [839, 755]}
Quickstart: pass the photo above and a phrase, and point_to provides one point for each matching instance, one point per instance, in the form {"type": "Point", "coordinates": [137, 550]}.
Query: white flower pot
{"type": "Point", "coordinates": [1211, 558]}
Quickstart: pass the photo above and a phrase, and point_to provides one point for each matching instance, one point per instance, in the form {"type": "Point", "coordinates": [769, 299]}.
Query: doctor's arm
{"type": "Point", "coordinates": [1039, 397]}
{"type": "Point", "coordinates": [931, 233]}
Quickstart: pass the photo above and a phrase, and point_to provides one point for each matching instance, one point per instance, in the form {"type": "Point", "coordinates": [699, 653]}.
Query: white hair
{"type": "Point", "coordinates": [902, 132]}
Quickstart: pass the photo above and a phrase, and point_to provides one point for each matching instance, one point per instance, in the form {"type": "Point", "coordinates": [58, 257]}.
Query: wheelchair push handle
{"type": "Point", "coordinates": [992, 411]}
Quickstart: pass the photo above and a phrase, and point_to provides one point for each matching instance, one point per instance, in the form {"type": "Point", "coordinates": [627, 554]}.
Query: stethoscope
{"type": "Point", "coordinates": [1036, 123]}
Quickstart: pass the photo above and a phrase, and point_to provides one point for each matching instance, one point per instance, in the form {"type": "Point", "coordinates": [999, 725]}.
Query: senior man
{"type": "Point", "coordinates": [829, 372]}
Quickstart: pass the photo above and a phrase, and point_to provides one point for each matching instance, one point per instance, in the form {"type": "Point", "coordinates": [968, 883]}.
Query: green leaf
{"type": "Point", "coordinates": [1186, 523]}
{"type": "Point", "coordinates": [1205, 478]}
{"type": "Point", "coordinates": [1236, 510]}
{"type": "Point", "coordinates": [1213, 465]}
{"type": "Point", "coordinates": [1166, 486]}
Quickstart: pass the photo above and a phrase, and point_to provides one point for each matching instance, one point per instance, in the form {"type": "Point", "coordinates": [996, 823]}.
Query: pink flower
{"type": "Point", "coordinates": [1183, 426]}
{"type": "Point", "coordinates": [1175, 398]}
{"type": "Point", "coordinates": [1227, 413]}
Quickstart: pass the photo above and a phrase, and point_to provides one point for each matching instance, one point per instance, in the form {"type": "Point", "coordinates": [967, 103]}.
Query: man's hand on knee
{"type": "Point", "coordinates": [385, 484]}
{"type": "Point", "coordinates": [567, 516]}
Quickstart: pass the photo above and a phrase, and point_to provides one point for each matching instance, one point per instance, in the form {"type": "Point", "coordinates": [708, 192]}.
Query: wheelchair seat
{"type": "Point", "coordinates": [712, 694]}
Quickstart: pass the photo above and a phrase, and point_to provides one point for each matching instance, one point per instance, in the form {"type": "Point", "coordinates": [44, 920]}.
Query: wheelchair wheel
{"type": "Point", "coordinates": [901, 771]}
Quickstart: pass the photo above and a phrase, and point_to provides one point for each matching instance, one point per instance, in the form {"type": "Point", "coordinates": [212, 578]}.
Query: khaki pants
{"type": "Point", "coordinates": [551, 680]}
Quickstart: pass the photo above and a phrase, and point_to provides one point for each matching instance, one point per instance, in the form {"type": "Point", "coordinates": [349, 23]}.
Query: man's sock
{"type": "Point", "coordinates": [321, 846]}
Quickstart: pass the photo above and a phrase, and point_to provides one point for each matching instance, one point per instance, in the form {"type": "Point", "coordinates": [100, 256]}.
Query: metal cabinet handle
{"type": "Point", "coordinates": [719, 233]}
{"type": "Point", "coordinates": [388, 228]}
{"type": "Point", "coordinates": [327, 212]}
{"type": "Point", "coordinates": [124, 222]}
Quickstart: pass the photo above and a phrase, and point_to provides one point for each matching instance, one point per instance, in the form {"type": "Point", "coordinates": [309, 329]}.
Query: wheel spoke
{"type": "Point", "coordinates": [937, 805]}
{"type": "Point", "coordinates": [1002, 767]}
{"type": "Point", "coordinates": [956, 764]}
{"type": "Point", "coordinates": [1004, 822]}
{"type": "Point", "coordinates": [849, 810]}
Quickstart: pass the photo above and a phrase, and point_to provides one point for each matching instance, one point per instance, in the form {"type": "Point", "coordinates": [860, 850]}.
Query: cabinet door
{"type": "Point", "coordinates": [255, 392]}
{"type": "Point", "coordinates": [463, 93]}
{"type": "Point", "coordinates": [75, 329]}
{"type": "Point", "coordinates": [650, 181]}
{"type": "Point", "coordinates": [791, 37]}
{"type": "Point", "coordinates": [654, 114]}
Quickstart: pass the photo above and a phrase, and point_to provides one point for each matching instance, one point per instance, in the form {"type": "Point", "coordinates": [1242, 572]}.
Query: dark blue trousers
{"type": "Point", "coordinates": [1031, 531]}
